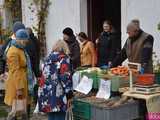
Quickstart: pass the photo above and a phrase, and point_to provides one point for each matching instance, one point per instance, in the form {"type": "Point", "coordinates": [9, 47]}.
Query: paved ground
{"type": "Point", "coordinates": [4, 111]}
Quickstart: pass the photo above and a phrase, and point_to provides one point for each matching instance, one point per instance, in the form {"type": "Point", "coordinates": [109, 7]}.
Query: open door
{"type": "Point", "coordinates": [100, 10]}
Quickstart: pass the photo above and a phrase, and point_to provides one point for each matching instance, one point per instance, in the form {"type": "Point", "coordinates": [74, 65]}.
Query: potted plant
{"type": "Point", "coordinates": [156, 67]}
{"type": "Point", "coordinates": [159, 26]}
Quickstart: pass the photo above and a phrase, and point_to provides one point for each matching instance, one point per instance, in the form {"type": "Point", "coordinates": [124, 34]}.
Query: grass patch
{"type": "Point", "coordinates": [3, 112]}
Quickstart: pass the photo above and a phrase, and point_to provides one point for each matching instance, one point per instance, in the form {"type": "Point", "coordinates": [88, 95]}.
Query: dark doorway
{"type": "Point", "coordinates": [100, 10]}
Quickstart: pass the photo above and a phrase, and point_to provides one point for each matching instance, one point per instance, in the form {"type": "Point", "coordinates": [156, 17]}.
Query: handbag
{"type": "Point", "coordinates": [19, 106]}
{"type": "Point", "coordinates": [2, 65]}
{"type": "Point", "coordinates": [69, 114]}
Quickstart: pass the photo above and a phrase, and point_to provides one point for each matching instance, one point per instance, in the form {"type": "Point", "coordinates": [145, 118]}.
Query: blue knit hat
{"type": "Point", "coordinates": [18, 25]}
{"type": "Point", "coordinates": [22, 34]}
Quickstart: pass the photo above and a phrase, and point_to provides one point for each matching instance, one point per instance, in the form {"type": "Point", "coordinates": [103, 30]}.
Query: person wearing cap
{"type": "Point", "coordinates": [73, 45]}
{"type": "Point", "coordinates": [138, 47]}
{"type": "Point", "coordinates": [20, 77]}
{"type": "Point", "coordinates": [17, 25]}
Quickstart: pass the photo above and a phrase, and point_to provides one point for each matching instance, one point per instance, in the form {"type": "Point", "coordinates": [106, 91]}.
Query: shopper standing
{"type": "Point", "coordinates": [19, 84]}
{"type": "Point", "coordinates": [138, 47]}
{"type": "Point", "coordinates": [108, 44]}
{"type": "Point", "coordinates": [87, 51]}
{"type": "Point", "coordinates": [70, 39]}
{"type": "Point", "coordinates": [55, 92]}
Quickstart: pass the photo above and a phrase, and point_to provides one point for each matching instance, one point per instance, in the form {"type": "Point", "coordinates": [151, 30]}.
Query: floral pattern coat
{"type": "Point", "coordinates": [55, 83]}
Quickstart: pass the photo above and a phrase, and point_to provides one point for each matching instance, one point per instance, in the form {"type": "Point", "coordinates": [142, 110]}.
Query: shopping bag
{"type": "Point", "coordinates": [69, 114]}
{"type": "Point", "coordinates": [36, 110]}
{"type": "Point", "coordinates": [18, 106]}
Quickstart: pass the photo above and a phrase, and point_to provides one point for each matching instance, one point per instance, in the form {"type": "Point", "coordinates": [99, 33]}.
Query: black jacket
{"type": "Point", "coordinates": [74, 51]}
{"type": "Point", "coordinates": [2, 57]}
{"type": "Point", "coordinates": [109, 44]}
{"type": "Point", "coordinates": [33, 49]}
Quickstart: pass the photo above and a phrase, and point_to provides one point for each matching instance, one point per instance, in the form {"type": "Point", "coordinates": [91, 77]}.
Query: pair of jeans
{"type": "Point", "coordinates": [56, 116]}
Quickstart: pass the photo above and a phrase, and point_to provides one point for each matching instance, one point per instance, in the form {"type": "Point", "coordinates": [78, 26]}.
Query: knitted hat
{"type": "Point", "coordinates": [17, 25]}
{"type": "Point", "coordinates": [22, 34]}
{"type": "Point", "coordinates": [68, 31]}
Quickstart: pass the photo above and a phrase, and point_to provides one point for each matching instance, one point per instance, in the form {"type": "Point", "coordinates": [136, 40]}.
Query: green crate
{"type": "Point", "coordinates": [81, 109]}
{"type": "Point", "coordinates": [157, 78]}
{"type": "Point", "coordinates": [118, 82]}
{"type": "Point", "coordinates": [79, 118]}
{"type": "Point", "coordinates": [94, 77]}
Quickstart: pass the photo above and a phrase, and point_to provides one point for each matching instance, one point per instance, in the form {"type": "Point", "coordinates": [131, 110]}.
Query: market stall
{"type": "Point", "coordinates": [95, 98]}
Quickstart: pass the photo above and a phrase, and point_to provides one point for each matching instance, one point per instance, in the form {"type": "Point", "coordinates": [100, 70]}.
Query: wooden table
{"type": "Point", "coordinates": [152, 100]}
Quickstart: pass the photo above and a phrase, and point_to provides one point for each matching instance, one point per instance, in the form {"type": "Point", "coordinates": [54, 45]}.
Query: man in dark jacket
{"type": "Point", "coordinates": [33, 49]}
{"type": "Point", "coordinates": [73, 45]}
{"type": "Point", "coordinates": [108, 44]}
{"type": "Point", "coordinates": [138, 47]}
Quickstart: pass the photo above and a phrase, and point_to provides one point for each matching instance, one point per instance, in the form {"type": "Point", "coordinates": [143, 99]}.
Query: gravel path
{"type": "Point", "coordinates": [38, 117]}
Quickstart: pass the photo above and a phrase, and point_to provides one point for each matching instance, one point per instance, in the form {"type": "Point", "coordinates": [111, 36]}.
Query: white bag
{"type": "Point", "coordinates": [19, 105]}
{"type": "Point", "coordinates": [69, 114]}
{"type": "Point", "coordinates": [36, 110]}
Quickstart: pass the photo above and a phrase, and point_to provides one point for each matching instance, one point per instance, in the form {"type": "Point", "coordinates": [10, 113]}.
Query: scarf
{"type": "Point", "coordinates": [30, 76]}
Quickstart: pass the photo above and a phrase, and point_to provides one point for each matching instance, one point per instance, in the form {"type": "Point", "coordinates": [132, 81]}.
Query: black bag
{"type": "Point", "coordinates": [3, 52]}
{"type": "Point", "coordinates": [2, 65]}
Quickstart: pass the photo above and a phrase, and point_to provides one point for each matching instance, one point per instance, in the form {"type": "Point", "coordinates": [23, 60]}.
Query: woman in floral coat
{"type": "Point", "coordinates": [55, 86]}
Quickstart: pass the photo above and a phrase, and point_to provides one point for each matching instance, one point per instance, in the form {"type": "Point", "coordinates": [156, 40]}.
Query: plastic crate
{"type": "Point", "coordinates": [93, 76]}
{"type": "Point", "coordinates": [157, 78]}
{"type": "Point", "coordinates": [93, 101]}
{"type": "Point", "coordinates": [81, 110]}
{"type": "Point", "coordinates": [128, 111]}
{"type": "Point", "coordinates": [118, 82]}
{"type": "Point", "coordinates": [79, 118]}
{"type": "Point", "coordinates": [75, 117]}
